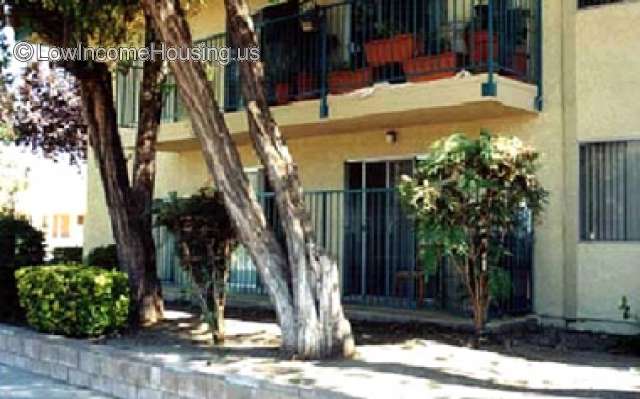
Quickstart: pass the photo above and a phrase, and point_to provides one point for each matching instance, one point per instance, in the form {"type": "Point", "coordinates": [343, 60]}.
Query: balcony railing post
{"type": "Point", "coordinates": [538, 44]}
{"type": "Point", "coordinates": [489, 88]}
{"type": "Point", "coordinates": [324, 59]}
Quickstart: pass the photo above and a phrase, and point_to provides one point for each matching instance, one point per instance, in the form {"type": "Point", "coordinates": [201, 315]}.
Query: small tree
{"type": "Point", "coordinates": [205, 238]}
{"type": "Point", "coordinates": [466, 196]}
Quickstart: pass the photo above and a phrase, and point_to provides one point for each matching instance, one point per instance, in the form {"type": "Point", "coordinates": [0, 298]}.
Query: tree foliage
{"type": "Point", "coordinates": [467, 195]}
{"type": "Point", "coordinates": [105, 257]}
{"type": "Point", "coordinates": [20, 245]}
{"type": "Point", "coordinates": [206, 239]}
{"type": "Point", "coordinates": [73, 300]}
{"type": "Point", "coordinates": [47, 114]}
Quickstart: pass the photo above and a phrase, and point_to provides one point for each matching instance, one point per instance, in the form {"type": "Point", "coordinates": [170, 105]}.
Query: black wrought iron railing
{"type": "Point", "coordinates": [373, 242]}
{"type": "Point", "coordinates": [353, 44]}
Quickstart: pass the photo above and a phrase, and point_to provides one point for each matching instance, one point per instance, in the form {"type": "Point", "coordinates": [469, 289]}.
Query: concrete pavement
{"type": "Point", "coordinates": [18, 384]}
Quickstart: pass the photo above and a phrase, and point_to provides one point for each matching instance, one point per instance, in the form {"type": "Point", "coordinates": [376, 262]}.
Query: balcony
{"type": "Point", "coordinates": [352, 62]}
{"type": "Point", "coordinates": [373, 240]}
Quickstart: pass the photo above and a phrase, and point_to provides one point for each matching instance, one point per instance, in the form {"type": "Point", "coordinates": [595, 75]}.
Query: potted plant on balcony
{"type": "Point", "coordinates": [478, 36]}
{"type": "Point", "coordinates": [432, 67]}
{"type": "Point", "coordinates": [342, 79]}
{"type": "Point", "coordinates": [277, 72]}
{"type": "Point", "coordinates": [281, 93]}
{"type": "Point", "coordinates": [306, 85]}
{"type": "Point", "coordinates": [389, 46]}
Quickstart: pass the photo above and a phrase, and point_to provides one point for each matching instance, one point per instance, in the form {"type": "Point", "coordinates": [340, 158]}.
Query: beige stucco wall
{"type": "Point", "coordinates": [607, 87]}
{"type": "Point", "coordinates": [588, 88]}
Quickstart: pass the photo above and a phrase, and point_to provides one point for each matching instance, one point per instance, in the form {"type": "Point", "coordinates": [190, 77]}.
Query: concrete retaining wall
{"type": "Point", "coordinates": [114, 372]}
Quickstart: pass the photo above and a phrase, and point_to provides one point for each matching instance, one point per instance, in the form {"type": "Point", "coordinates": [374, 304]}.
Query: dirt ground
{"type": "Point", "coordinates": [401, 360]}
{"type": "Point", "coordinates": [533, 343]}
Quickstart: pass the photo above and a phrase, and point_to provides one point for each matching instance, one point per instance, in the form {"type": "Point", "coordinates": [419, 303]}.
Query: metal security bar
{"type": "Point", "coordinates": [349, 45]}
{"type": "Point", "coordinates": [373, 242]}
{"type": "Point", "coordinates": [610, 191]}
{"type": "Point", "coordinates": [128, 82]}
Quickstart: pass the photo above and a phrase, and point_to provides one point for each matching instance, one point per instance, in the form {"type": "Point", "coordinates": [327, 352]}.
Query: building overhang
{"type": "Point", "coordinates": [384, 106]}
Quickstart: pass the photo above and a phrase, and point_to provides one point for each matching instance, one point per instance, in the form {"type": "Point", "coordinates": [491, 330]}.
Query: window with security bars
{"type": "Point", "coordinates": [610, 191]}
{"type": "Point", "coordinates": [589, 3]}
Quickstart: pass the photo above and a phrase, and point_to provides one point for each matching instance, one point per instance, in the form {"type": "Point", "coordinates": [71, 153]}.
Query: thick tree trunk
{"type": "Point", "coordinates": [311, 317]}
{"type": "Point", "coordinates": [149, 289]}
{"type": "Point", "coordinates": [130, 234]}
{"type": "Point", "coordinates": [322, 328]}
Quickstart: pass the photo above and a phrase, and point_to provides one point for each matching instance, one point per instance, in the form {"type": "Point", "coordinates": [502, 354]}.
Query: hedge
{"type": "Point", "coordinates": [20, 245]}
{"type": "Point", "coordinates": [105, 257]}
{"type": "Point", "coordinates": [67, 256]}
{"type": "Point", "coordinates": [72, 300]}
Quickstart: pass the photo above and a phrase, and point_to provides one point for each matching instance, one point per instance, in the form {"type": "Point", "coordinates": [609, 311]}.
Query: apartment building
{"type": "Point", "coordinates": [361, 89]}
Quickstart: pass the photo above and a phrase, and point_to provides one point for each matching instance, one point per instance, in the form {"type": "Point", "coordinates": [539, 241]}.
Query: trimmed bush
{"type": "Point", "coordinates": [76, 301]}
{"type": "Point", "coordinates": [105, 257]}
{"type": "Point", "coordinates": [67, 256]}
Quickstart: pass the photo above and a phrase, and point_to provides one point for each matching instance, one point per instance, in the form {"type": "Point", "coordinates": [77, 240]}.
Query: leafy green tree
{"type": "Point", "coordinates": [466, 197]}
{"type": "Point", "coordinates": [205, 238]}
{"type": "Point", "coordinates": [67, 23]}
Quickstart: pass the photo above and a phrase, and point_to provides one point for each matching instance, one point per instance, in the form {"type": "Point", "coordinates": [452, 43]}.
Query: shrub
{"type": "Point", "coordinates": [105, 257]}
{"type": "Point", "coordinates": [67, 256]}
{"type": "Point", "coordinates": [466, 197]}
{"type": "Point", "coordinates": [205, 239]}
{"type": "Point", "coordinates": [20, 245]}
{"type": "Point", "coordinates": [76, 301]}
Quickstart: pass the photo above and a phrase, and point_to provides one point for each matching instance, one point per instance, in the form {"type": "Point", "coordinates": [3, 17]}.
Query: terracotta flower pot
{"type": "Point", "coordinates": [307, 87]}
{"type": "Point", "coordinates": [432, 67]}
{"type": "Point", "coordinates": [395, 49]}
{"type": "Point", "coordinates": [479, 47]}
{"type": "Point", "coordinates": [282, 93]}
{"type": "Point", "coordinates": [520, 63]}
{"type": "Point", "coordinates": [345, 81]}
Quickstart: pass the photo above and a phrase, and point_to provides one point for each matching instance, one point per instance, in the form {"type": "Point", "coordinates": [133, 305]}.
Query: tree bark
{"type": "Point", "coordinates": [219, 292]}
{"type": "Point", "coordinates": [302, 280]}
{"type": "Point", "coordinates": [323, 331]}
{"type": "Point", "coordinates": [148, 288]}
{"type": "Point", "coordinates": [131, 232]}
{"type": "Point", "coordinates": [134, 242]}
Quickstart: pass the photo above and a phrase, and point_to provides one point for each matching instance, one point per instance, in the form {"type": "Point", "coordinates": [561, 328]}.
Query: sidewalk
{"type": "Point", "coordinates": [19, 384]}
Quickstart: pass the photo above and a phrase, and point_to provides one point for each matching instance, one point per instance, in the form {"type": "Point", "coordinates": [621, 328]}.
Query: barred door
{"type": "Point", "coordinates": [379, 241]}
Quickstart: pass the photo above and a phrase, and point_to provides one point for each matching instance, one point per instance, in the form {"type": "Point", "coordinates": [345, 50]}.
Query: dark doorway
{"type": "Point", "coordinates": [379, 238]}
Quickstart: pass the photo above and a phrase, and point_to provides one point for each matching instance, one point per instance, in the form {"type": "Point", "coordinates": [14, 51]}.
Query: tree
{"type": "Point", "coordinates": [47, 114]}
{"type": "Point", "coordinates": [66, 23]}
{"type": "Point", "coordinates": [205, 240]}
{"type": "Point", "coordinates": [13, 180]}
{"type": "Point", "coordinates": [466, 197]}
{"type": "Point", "coordinates": [301, 278]}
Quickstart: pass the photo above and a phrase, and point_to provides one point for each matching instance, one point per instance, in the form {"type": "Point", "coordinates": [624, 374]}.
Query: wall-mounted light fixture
{"type": "Point", "coordinates": [391, 136]}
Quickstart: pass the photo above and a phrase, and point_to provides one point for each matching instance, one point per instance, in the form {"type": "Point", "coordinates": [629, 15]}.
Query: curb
{"type": "Point", "coordinates": [115, 372]}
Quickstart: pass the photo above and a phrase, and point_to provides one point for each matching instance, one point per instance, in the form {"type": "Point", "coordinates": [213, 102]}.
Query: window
{"type": "Point", "coordinates": [80, 220]}
{"type": "Point", "coordinates": [589, 3]}
{"type": "Point", "coordinates": [610, 191]}
{"type": "Point", "coordinates": [60, 226]}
